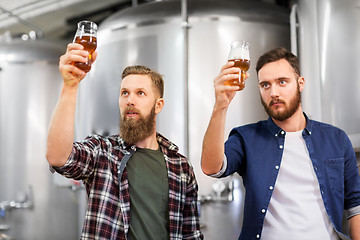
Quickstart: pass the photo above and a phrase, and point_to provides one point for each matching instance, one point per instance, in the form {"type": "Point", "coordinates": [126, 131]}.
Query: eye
{"type": "Point", "coordinates": [124, 93]}
{"type": "Point", "coordinates": [282, 82]}
{"type": "Point", "coordinates": [264, 85]}
{"type": "Point", "coordinates": [141, 93]}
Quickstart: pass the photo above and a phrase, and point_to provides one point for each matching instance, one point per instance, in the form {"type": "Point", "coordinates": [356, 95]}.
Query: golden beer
{"type": "Point", "coordinates": [240, 55]}
{"type": "Point", "coordinates": [89, 43]}
{"type": "Point", "coordinates": [244, 65]}
{"type": "Point", "coordinates": [86, 36]}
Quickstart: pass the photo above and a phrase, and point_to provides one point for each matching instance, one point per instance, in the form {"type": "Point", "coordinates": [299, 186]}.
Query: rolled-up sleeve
{"type": "Point", "coordinates": [352, 212]}
{"type": "Point", "coordinates": [222, 170]}
{"type": "Point", "coordinates": [81, 162]}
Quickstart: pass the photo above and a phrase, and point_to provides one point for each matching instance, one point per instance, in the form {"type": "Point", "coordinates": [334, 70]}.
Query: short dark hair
{"type": "Point", "coordinates": [156, 77]}
{"type": "Point", "coordinates": [278, 54]}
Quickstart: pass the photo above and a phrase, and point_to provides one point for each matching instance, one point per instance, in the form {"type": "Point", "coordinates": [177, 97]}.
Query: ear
{"type": "Point", "coordinates": [159, 104]}
{"type": "Point", "coordinates": [301, 82]}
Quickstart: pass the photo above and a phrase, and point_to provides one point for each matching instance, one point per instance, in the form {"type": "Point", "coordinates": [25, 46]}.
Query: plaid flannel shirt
{"type": "Point", "coordinates": [96, 161]}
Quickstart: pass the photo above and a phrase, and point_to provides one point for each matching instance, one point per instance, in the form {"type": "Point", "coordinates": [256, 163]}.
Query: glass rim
{"type": "Point", "coordinates": [239, 42]}
{"type": "Point", "coordinates": [87, 22]}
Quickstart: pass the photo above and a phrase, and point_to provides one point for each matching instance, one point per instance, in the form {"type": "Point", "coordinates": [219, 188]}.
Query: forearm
{"type": "Point", "coordinates": [212, 156]}
{"type": "Point", "coordinates": [213, 144]}
{"type": "Point", "coordinates": [61, 131]}
{"type": "Point", "coordinates": [354, 227]}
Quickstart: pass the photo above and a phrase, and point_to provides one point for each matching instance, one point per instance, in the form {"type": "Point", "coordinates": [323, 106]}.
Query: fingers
{"type": "Point", "coordinates": [247, 75]}
{"type": "Point", "coordinates": [74, 46]}
{"type": "Point", "coordinates": [74, 53]}
{"type": "Point", "coordinates": [94, 56]}
{"type": "Point", "coordinates": [70, 74]}
{"type": "Point", "coordinates": [229, 73]}
{"type": "Point", "coordinates": [228, 68]}
{"type": "Point", "coordinates": [70, 71]}
{"type": "Point", "coordinates": [78, 49]}
{"type": "Point", "coordinates": [224, 93]}
{"type": "Point", "coordinates": [223, 84]}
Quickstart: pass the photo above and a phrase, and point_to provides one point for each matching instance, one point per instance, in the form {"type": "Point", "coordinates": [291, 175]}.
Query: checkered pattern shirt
{"type": "Point", "coordinates": [96, 161]}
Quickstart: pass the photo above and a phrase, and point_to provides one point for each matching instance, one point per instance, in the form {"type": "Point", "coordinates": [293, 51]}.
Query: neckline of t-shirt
{"type": "Point", "coordinates": [294, 133]}
{"type": "Point", "coordinates": [148, 150]}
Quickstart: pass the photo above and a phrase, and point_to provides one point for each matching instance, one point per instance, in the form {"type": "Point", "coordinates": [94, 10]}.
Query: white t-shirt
{"type": "Point", "coordinates": [296, 210]}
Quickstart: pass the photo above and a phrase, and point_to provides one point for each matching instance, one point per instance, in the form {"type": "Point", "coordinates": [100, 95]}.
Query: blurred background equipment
{"type": "Point", "coordinates": [31, 207]}
{"type": "Point", "coordinates": [326, 38]}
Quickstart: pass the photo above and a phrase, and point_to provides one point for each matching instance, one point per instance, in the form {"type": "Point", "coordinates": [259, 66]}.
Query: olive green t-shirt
{"type": "Point", "coordinates": [149, 194]}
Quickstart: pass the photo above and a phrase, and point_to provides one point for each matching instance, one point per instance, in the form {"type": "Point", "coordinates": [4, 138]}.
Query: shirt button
{"type": "Point", "coordinates": [281, 146]}
{"type": "Point", "coordinates": [277, 167]}
{"type": "Point", "coordinates": [258, 236]}
{"type": "Point", "coordinates": [263, 210]}
{"type": "Point", "coordinates": [282, 132]}
{"type": "Point", "coordinates": [276, 135]}
{"type": "Point", "coordinates": [271, 187]}
{"type": "Point", "coordinates": [309, 133]}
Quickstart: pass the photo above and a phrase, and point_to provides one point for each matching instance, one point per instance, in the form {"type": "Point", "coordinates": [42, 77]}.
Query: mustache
{"type": "Point", "coordinates": [130, 109]}
{"type": "Point", "coordinates": [275, 101]}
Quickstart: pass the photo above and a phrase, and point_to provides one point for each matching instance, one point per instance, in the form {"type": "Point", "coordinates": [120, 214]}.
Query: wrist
{"type": "Point", "coordinates": [220, 108]}
{"type": "Point", "coordinates": [70, 89]}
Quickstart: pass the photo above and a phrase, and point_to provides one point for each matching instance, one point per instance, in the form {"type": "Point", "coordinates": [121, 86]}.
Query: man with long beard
{"type": "Point", "coordinates": [138, 185]}
{"type": "Point", "coordinates": [299, 174]}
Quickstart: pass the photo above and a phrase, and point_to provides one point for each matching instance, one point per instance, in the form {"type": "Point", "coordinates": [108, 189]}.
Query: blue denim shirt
{"type": "Point", "coordinates": [255, 151]}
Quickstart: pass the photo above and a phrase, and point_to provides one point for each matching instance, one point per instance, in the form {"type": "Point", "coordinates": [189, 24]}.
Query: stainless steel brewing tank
{"type": "Point", "coordinates": [31, 207]}
{"type": "Point", "coordinates": [328, 46]}
{"type": "Point", "coordinates": [189, 51]}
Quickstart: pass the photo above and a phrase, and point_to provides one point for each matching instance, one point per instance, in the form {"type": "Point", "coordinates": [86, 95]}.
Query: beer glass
{"type": "Point", "coordinates": [240, 55]}
{"type": "Point", "coordinates": [86, 36]}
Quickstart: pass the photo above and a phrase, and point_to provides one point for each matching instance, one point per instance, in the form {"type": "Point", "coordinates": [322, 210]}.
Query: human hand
{"type": "Point", "coordinates": [224, 93]}
{"type": "Point", "coordinates": [74, 53]}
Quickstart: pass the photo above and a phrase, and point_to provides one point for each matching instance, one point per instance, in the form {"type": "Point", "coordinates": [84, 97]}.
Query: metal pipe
{"type": "Point", "coordinates": [134, 3]}
{"type": "Point", "coordinates": [293, 29]}
{"type": "Point", "coordinates": [185, 26]}
{"type": "Point", "coordinates": [27, 23]}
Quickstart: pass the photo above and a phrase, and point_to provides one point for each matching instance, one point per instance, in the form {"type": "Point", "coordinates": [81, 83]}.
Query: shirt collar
{"type": "Point", "coordinates": [164, 142]}
{"type": "Point", "coordinates": [308, 127]}
{"type": "Point", "coordinates": [276, 130]}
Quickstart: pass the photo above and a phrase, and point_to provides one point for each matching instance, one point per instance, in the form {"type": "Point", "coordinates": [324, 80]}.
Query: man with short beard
{"type": "Point", "coordinates": [299, 174]}
{"type": "Point", "coordinates": [138, 185]}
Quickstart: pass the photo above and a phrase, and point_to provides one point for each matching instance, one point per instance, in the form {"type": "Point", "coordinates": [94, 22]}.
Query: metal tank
{"type": "Point", "coordinates": [188, 42]}
{"type": "Point", "coordinates": [31, 206]}
{"type": "Point", "coordinates": [326, 36]}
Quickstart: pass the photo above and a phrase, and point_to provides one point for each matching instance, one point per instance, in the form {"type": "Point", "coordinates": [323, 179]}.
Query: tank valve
{"type": "Point", "coordinates": [222, 192]}
{"type": "Point", "coordinates": [24, 201]}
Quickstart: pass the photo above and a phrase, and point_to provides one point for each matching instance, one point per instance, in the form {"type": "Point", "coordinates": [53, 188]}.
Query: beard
{"type": "Point", "coordinates": [289, 111]}
{"type": "Point", "coordinates": [132, 130]}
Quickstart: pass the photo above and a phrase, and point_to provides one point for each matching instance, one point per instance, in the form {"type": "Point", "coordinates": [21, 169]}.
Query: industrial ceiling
{"type": "Point", "coordinates": [57, 19]}
{"type": "Point", "coordinates": [53, 19]}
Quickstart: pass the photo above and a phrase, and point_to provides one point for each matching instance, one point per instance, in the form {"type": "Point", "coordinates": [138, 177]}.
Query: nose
{"type": "Point", "coordinates": [274, 92]}
{"type": "Point", "coordinates": [130, 100]}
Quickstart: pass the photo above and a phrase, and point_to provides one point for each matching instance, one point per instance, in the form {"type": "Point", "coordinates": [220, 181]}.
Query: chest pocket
{"type": "Point", "coordinates": [335, 172]}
